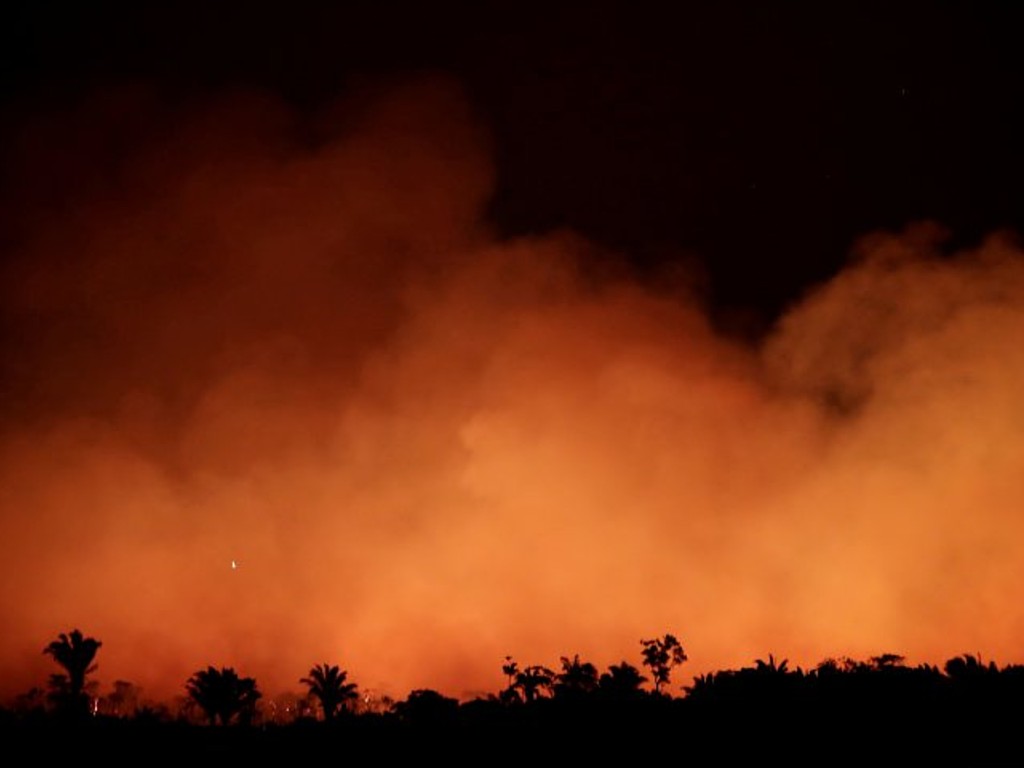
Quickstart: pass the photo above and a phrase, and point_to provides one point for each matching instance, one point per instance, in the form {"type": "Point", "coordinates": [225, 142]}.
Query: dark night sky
{"type": "Point", "coordinates": [759, 141]}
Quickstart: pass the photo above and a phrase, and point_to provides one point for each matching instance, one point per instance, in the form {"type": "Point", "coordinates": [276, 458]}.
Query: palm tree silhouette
{"type": "Point", "coordinates": [327, 684]}
{"type": "Point", "coordinates": [576, 679]}
{"type": "Point", "coordinates": [222, 694]}
{"type": "Point", "coordinates": [75, 653]}
{"type": "Point", "coordinates": [530, 681]}
{"type": "Point", "coordinates": [622, 681]}
{"type": "Point", "coordinates": [771, 667]}
{"type": "Point", "coordinates": [510, 668]}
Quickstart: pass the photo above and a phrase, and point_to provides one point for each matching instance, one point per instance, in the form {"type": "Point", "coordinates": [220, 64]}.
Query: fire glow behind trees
{"type": "Point", "coordinates": [276, 390]}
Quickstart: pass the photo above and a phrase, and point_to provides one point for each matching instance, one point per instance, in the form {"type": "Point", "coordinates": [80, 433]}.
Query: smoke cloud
{"type": "Point", "coordinates": [239, 336]}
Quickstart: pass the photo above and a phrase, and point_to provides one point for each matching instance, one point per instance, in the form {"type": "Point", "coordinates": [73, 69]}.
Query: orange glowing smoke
{"type": "Point", "coordinates": [294, 344]}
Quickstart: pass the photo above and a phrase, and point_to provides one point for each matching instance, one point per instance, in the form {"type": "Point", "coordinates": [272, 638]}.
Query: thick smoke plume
{"type": "Point", "coordinates": [233, 333]}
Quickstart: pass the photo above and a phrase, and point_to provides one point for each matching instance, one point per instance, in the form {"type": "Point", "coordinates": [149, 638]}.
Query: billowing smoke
{"type": "Point", "coordinates": [274, 395]}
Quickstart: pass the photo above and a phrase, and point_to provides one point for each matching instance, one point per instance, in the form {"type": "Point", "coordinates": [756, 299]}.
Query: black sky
{"type": "Point", "coordinates": [757, 140]}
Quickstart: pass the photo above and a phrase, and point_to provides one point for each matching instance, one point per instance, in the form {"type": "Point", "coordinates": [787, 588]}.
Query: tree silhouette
{"type": "Point", "coordinates": [223, 695]}
{"type": "Point", "coordinates": [771, 667]}
{"type": "Point", "coordinates": [967, 667]}
{"type": "Point", "coordinates": [327, 684]}
{"type": "Point", "coordinates": [426, 706]}
{"type": "Point", "coordinates": [660, 655]}
{"type": "Point", "coordinates": [704, 686]}
{"type": "Point", "coordinates": [75, 653]}
{"type": "Point", "coordinates": [886, 661]}
{"type": "Point", "coordinates": [32, 700]}
{"type": "Point", "coordinates": [123, 700]}
{"type": "Point", "coordinates": [511, 670]}
{"type": "Point", "coordinates": [576, 679]}
{"type": "Point", "coordinates": [622, 681]}
{"type": "Point", "coordinates": [530, 681]}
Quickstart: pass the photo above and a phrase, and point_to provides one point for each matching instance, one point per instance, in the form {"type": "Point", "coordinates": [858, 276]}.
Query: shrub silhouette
{"type": "Point", "coordinates": [426, 706]}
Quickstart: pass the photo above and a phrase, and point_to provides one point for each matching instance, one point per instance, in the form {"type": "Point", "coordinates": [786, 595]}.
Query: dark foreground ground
{"type": "Point", "coordinates": [900, 729]}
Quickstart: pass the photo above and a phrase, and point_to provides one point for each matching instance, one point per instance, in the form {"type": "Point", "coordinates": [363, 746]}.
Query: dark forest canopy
{"type": "Point", "coordinates": [968, 710]}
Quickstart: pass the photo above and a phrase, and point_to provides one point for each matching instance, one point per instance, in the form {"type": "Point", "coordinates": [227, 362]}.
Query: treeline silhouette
{"type": "Point", "coordinates": [879, 709]}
